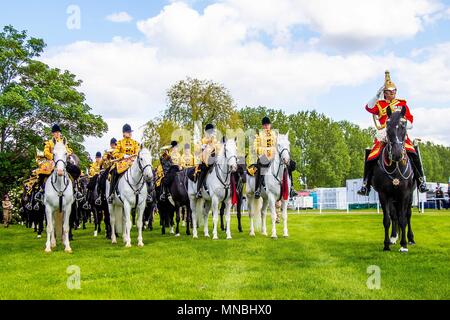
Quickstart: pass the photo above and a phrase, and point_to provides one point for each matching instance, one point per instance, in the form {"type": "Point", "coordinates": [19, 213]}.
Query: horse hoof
{"type": "Point", "coordinates": [128, 245]}
{"type": "Point", "coordinates": [48, 250]}
{"type": "Point", "coordinates": [114, 241]}
{"type": "Point", "coordinates": [177, 235]}
{"type": "Point", "coordinates": [229, 238]}
{"type": "Point", "coordinates": [140, 244]}
{"type": "Point", "coordinates": [387, 249]}
{"type": "Point", "coordinates": [206, 235]}
{"type": "Point", "coordinates": [215, 238]}
{"type": "Point", "coordinates": [264, 234]}
{"type": "Point", "coordinates": [53, 245]}
{"type": "Point", "coordinates": [286, 236]}
{"type": "Point", "coordinates": [411, 243]}
{"type": "Point", "coordinates": [274, 237]}
{"type": "Point", "coordinates": [95, 233]}
{"type": "Point", "coordinates": [402, 249]}
{"type": "Point", "coordinates": [252, 234]}
{"type": "Point", "coordinates": [39, 236]}
{"type": "Point", "coordinates": [68, 250]}
{"type": "Point", "coordinates": [393, 240]}
{"type": "Point", "coordinates": [195, 237]}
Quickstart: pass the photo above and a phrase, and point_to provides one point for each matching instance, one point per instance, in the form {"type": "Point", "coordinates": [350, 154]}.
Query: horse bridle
{"type": "Point", "coordinates": [225, 183]}
{"type": "Point", "coordinates": [142, 169]}
{"type": "Point", "coordinates": [66, 181]}
{"type": "Point", "coordinates": [280, 153]}
{"type": "Point", "coordinates": [397, 168]}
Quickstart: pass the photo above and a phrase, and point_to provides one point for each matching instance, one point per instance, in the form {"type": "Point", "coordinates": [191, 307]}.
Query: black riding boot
{"type": "Point", "coordinates": [258, 182]}
{"type": "Point", "coordinates": [418, 172]}
{"type": "Point", "coordinates": [163, 196]}
{"type": "Point", "coordinates": [112, 185]}
{"type": "Point", "coordinates": [368, 171]}
{"type": "Point", "coordinates": [201, 180]}
{"type": "Point", "coordinates": [291, 168]}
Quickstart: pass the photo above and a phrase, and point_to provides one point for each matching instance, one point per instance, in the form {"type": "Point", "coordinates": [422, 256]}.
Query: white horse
{"type": "Point", "coordinates": [58, 199]}
{"type": "Point", "coordinates": [218, 184]}
{"type": "Point", "coordinates": [272, 191]}
{"type": "Point", "coordinates": [131, 193]}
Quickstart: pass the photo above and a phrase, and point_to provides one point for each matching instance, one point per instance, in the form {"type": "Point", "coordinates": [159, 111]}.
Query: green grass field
{"type": "Point", "coordinates": [325, 257]}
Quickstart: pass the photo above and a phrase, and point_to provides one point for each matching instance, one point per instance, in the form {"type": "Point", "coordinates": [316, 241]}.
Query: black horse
{"type": "Point", "coordinates": [393, 179]}
{"type": "Point", "coordinates": [150, 205]}
{"type": "Point", "coordinates": [99, 204]}
{"type": "Point", "coordinates": [178, 190]}
{"type": "Point", "coordinates": [165, 208]}
{"type": "Point", "coordinates": [238, 179]}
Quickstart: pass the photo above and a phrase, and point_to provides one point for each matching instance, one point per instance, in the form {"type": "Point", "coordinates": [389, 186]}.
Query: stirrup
{"type": "Point", "coordinates": [257, 194]}
{"type": "Point", "coordinates": [199, 195]}
{"type": "Point", "coordinates": [110, 199]}
{"type": "Point", "coordinates": [86, 206]}
{"type": "Point", "coordinates": [293, 193]}
{"type": "Point", "coordinates": [162, 197]}
{"type": "Point", "coordinates": [29, 206]}
{"type": "Point", "coordinates": [364, 191]}
{"type": "Point", "coordinates": [36, 207]}
{"type": "Point", "coordinates": [38, 196]}
{"type": "Point", "coordinates": [422, 186]}
{"type": "Point", "coordinates": [98, 201]}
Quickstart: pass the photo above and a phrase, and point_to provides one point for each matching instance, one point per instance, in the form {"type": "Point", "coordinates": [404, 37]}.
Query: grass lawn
{"type": "Point", "coordinates": [325, 257]}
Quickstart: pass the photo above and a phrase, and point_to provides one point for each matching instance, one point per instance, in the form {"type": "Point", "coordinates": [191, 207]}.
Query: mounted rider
{"type": "Point", "coordinates": [171, 162]}
{"type": "Point", "coordinates": [105, 166]}
{"type": "Point", "coordinates": [208, 149]}
{"type": "Point", "coordinates": [265, 147]}
{"type": "Point", "coordinates": [126, 150]}
{"type": "Point", "coordinates": [95, 167]}
{"type": "Point", "coordinates": [108, 155]}
{"type": "Point", "coordinates": [188, 157]}
{"type": "Point", "coordinates": [46, 163]}
{"type": "Point", "coordinates": [378, 108]}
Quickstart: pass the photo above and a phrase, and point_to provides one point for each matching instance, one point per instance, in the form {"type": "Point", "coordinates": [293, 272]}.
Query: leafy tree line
{"type": "Point", "coordinates": [34, 96]}
{"type": "Point", "coordinates": [327, 152]}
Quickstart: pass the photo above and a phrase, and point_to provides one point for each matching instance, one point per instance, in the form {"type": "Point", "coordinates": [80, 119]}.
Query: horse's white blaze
{"type": "Point", "coordinates": [226, 164]}
{"type": "Point", "coordinates": [131, 184]}
{"type": "Point", "coordinates": [257, 208]}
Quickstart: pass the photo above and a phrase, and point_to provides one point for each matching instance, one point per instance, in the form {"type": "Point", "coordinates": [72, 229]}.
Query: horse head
{"type": "Point", "coordinates": [283, 148]}
{"type": "Point", "coordinates": [230, 153]}
{"type": "Point", "coordinates": [396, 129]}
{"type": "Point", "coordinates": [60, 156]}
{"type": "Point", "coordinates": [144, 161]}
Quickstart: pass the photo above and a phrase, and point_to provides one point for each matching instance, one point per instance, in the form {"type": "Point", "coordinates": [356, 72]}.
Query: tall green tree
{"type": "Point", "coordinates": [33, 96]}
{"type": "Point", "coordinates": [193, 100]}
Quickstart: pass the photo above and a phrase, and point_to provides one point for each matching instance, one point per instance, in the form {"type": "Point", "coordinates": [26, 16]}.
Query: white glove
{"type": "Point", "coordinates": [377, 97]}
{"type": "Point", "coordinates": [381, 135]}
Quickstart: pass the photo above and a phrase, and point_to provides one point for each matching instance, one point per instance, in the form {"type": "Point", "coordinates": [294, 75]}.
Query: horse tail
{"type": "Point", "coordinates": [58, 225]}
{"type": "Point", "coordinates": [119, 219]}
{"type": "Point", "coordinates": [255, 212]}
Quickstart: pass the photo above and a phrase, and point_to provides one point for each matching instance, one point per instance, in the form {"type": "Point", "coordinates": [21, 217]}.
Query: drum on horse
{"type": "Point", "coordinates": [393, 179]}
{"type": "Point", "coordinates": [58, 199]}
{"type": "Point", "coordinates": [130, 192]}
{"type": "Point", "coordinates": [277, 187]}
{"type": "Point", "coordinates": [217, 190]}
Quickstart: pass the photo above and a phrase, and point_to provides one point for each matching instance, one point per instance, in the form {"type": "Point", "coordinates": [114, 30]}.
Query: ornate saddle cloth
{"type": "Point", "coordinates": [124, 165]}
{"type": "Point", "coordinates": [46, 167]}
{"type": "Point", "coordinates": [252, 169]}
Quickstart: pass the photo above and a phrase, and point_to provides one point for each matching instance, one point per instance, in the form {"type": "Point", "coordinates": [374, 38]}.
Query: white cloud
{"type": "Point", "coordinates": [126, 80]}
{"type": "Point", "coordinates": [119, 17]}
{"type": "Point", "coordinates": [432, 124]}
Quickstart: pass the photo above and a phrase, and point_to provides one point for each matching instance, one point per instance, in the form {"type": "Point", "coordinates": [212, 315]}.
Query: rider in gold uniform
{"type": "Point", "coordinates": [265, 147]}
{"type": "Point", "coordinates": [126, 148]}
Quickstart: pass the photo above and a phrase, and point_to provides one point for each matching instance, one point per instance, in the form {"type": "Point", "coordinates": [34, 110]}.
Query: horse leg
{"type": "Point", "coordinates": [193, 204]}
{"type": "Point", "coordinates": [127, 224]}
{"type": "Point", "coordinates": [228, 218]}
{"type": "Point", "coordinates": [139, 223]}
{"type": "Point", "coordinates": [386, 220]}
{"type": "Point", "coordinates": [250, 206]}
{"type": "Point", "coordinates": [48, 244]}
{"type": "Point", "coordinates": [273, 212]}
{"type": "Point", "coordinates": [402, 221]}
{"type": "Point", "coordinates": [66, 227]}
{"type": "Point", "coordinates": [410, 232]}
{"type": "Point", "coordinates": [285, 218]}
{"type": "Point", "coordinates": [188, 220]}
{"type": "Point", "coordinates": [112, 219]}
{"type": "Point", "coordinates": [100, 219]}
{"type": "Point", "coordinates": [206, 218]}
{"type": "Point", "coordinates": [107, 224]}
{"type": "Point", "coordinates": [178, 219]}
{"type": "Point", "coordinates": [95, 221]}
{"type": "Point", "coordinates": [222, 212]}
{"type": "Point", "coordinates": [263, 217]}
{"type": "Point", "coordinates": [215, 214]}
{"type": "Point", "coordinates": [394, 234]}
{"type": "Point", "coordinates": [239, 214]}
{"type": "Point", "coordinates": [40, 222]}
